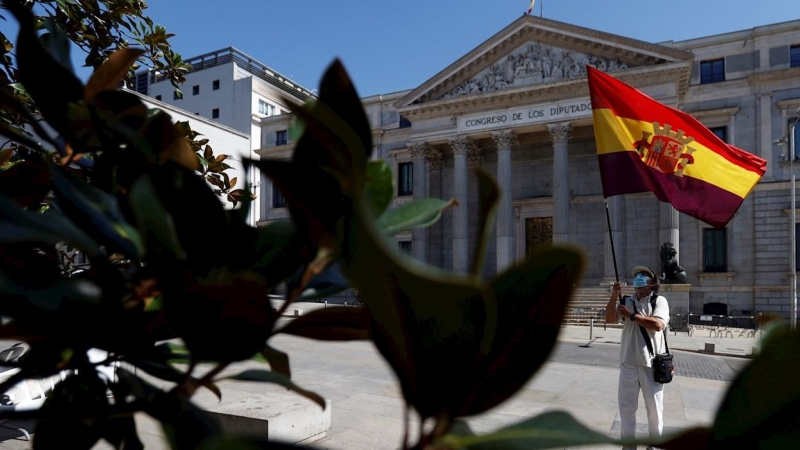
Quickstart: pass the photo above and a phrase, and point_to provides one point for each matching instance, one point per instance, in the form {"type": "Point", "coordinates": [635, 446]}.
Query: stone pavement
{"type": "Point", "coordinates": [580, 378]}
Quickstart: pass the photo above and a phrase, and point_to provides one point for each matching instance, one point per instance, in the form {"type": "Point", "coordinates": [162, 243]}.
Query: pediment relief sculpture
{"type": "Point", "coordinates": [534, 63]}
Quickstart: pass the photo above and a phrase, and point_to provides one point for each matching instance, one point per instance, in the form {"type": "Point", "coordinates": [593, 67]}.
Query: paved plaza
{"type": "Point", "coordinates": [580, 378]}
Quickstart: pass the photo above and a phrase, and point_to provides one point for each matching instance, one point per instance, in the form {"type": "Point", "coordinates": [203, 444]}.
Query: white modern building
{"type": "Point", "coordinates": [518, 105]}
{"type": "Point", "coordinates": [226, 95]}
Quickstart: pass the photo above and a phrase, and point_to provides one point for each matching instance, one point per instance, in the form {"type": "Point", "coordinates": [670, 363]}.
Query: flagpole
{"type": "Point", "coordinates": [611, 239]}
{"type": "Point", "coordinates": [793, 270]}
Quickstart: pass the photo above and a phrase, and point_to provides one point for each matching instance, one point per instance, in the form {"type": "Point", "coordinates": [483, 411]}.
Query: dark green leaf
{"type": "Point", "coordinates": [96, 212]}
{"type": "Point", "coordinates": [333, 323]}
{"type": "Point", "coordinates": [548, 430]}
{"type": "Point", "coordinates": [37, 70]}
{"type": "Point", "coordinates": [278, 361]}
{"type": "Point", "coordinates": [415, 214]}
{"type": "Point", "coordinates": [75, 412]}
{"type": "Point", "coordinates": [18, 225]}
{"type": "Point", "coordinates": [531, 299]}
{"type": "Point", "coordinates": [380, 189]}
{"type": "Point", "coordinates": [154, 221]}
{"type": "Point", "coordinates": [274, 377]}
{"type": "Point", "coordinates": [56, 43]}
{"type": "Point", "coordinates": [761, 408]}
{"type": "Point", "coordinates": [185, 425]}
{"type": "Point", "coordinates": [488, 196]}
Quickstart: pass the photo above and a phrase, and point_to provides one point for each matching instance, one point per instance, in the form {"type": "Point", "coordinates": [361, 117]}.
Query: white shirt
{"type": "Point", "coordinates": [632, 349]}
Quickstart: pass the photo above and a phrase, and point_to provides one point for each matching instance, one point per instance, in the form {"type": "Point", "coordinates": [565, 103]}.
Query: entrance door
{"type": "Point", "coordinates": [538, 233]}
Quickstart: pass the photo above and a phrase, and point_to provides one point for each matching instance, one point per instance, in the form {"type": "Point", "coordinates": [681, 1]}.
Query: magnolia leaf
{"type": "Point", "coordinates": [333, 323]}
{"type": "Point", "coordinates": [111, 72]}
{"type": "Point", "coordinates": [153, 219]}
{"type": "Point", "coordinates": [415, 214]}
{"type": "Point", "coordinates": [489, 196]}
{"type": "Point", "coordinates": [531, 300]}
{"type": "Point", "coordinates": [96, 212]}
{"type": "Point", "coordinates": [380, 189]}
{"type": "Point", "coordinates": [52, 227]}
{"type": "Point", "coordinates": [761, 408]}
{"type": "Point", "coordinates": [278, 361]}
{"type": "Point", "coordinates": [277, 378]}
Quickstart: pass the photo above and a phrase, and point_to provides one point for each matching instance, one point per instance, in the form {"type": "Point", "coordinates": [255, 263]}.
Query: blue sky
{"type": "Point", "coordinates": [388, 46]}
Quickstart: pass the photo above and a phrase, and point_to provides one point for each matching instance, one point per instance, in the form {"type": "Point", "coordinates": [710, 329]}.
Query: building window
{"type": "Point", "coordinates": [196, 89]}
{"type": "Point", "coordinates": [265, 108]}
{"type": "Point", "coordinates": [405, 179]}
{"type": "Point", "coordinates": [794, 56]}
{"type": "Point", "coordinates": [215, 113]}
{"type": "Point", "coordinates": [404, 123]}
{"type": "Point", "coordinates": [215, 85]}
{"type": "Point", "coordinates": [278, 200]}
{"type": "Point", "coordinates": [158, 97]}
{"type": "Point", "coordinates": [715, 251]}
{"type": "Point", "coordinates": [280, 137]}
{"type": "Point", "coordinates": [404, 246]}
{"type": "Point", "coordinates": [721, 132]}
{"type": "Point", "coordinates": [712, 71]}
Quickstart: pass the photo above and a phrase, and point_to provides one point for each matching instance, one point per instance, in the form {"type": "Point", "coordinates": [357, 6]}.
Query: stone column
{"type": "Point", "coordinates": [419, 237]}
{"type": "Point", "coordinates": [505, 214]}
{"type": "Point", "coordinates": [668, 230]}
{"type": "Point", "coordinates": [615, 215]}
{"type": "Point", "coordinates": [462, 148]}
{"type": "Point", "coordinates": [560, 134]}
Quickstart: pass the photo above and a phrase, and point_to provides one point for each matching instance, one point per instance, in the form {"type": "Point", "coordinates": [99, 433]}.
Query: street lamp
{"type": "Point", "coordinates": [793, 317]}
{"type": "Point", "coordinates": [790, 137]}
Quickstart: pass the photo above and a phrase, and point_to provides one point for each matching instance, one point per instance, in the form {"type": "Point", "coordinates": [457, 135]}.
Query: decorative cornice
{"type": "Point", "coordinates": [545, 93]}
{"type": "Point", "coordinates": [791, 73]}
{"type": "Point", "coordinates": [504, 139]}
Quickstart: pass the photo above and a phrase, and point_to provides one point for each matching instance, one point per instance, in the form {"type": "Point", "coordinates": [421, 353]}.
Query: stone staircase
{"type": "Point", "coordinates": [594, 296]}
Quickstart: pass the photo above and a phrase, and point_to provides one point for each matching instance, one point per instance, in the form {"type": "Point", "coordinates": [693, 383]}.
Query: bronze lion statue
{"type": "Point", "coordinates": [671, 272]}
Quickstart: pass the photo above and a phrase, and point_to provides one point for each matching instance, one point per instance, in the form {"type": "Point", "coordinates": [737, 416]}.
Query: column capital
{"type": "Point", "coordinates": [560, 132]}
{"type": "Point", "coordinates": [474, 156]}
{"type": "Point", "coordinates": [434, 158]}
{"type": "Point", "coordinates": [504, 139]}
{"type": "Point", "coordinates": [461, 145]}
{"type": "Point", "coordinates": [417, 149]}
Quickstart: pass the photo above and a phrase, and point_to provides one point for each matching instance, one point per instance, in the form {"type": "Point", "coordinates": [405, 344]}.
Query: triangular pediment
{"type": "Point", "coordinates": [538, 54]}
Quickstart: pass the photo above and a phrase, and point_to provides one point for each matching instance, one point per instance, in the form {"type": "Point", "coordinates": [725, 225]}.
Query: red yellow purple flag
{"type": "Point", "coordinates": [530, 8]}
{"type": "Point", "coordinates": [644, 145]}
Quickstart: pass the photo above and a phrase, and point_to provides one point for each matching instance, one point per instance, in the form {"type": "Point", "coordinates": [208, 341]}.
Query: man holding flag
{"type": "Point", "coordinates": [644, 145]}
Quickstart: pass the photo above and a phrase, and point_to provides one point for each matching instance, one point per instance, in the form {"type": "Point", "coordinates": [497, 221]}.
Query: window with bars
{"type": "Point", "coordinates": [405, 179]}
{"type": "Point", "coordinates": [215, 85]}
{"type": "Point", "coordinates": [715, 251]}
{"type": "Point", "coordinates": [712, 71]}
{"type": "Point", "coordinates": [404, 246]}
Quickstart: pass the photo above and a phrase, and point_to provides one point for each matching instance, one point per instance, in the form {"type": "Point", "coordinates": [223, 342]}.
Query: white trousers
{"type": "Point", "coordinates": [632, 379]}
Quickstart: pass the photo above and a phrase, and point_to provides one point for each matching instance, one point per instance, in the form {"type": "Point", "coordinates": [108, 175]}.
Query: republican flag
{"type": "Point", "coordinates": [530, 8]}
{"type": "Point", "coordinates": [644, 145]}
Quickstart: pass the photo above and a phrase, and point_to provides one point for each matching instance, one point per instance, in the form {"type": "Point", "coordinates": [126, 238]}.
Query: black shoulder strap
{"type": "Point", "coordinates": [646, 336]}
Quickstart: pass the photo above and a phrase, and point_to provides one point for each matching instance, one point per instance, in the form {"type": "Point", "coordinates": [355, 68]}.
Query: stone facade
{"type": "Point", "coordinates": [517, 105]}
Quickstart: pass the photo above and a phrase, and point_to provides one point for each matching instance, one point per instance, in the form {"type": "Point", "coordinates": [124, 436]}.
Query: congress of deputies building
{"type": "Point", "coordinates": [518, 106]}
